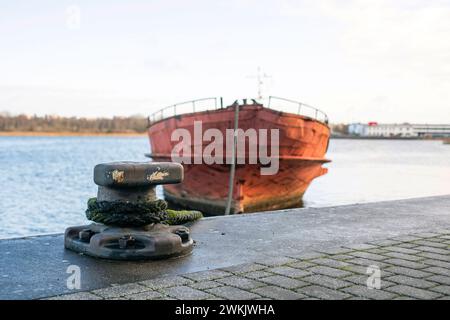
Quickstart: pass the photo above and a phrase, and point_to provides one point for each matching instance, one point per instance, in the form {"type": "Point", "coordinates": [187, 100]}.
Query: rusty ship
{"type": "Point", "coordinates": [237, 186]}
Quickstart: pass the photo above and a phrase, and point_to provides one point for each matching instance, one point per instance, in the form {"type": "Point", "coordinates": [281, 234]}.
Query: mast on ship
{"type": "Point", "coordinates": [260, 76]}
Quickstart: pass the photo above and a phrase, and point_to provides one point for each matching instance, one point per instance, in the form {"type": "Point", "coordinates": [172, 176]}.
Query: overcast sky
{"type": "Point", "coordinates": [358, 60]}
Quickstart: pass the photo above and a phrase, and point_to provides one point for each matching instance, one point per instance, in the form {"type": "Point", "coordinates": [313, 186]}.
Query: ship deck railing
{"type": "Point", "coordinates": [215, 103]}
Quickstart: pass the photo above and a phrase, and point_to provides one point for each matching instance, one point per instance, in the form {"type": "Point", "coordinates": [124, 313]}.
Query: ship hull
{"type": "Point", "coordinates": [302, 145]}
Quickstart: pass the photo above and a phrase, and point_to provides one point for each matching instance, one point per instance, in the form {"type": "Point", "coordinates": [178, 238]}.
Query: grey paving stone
{"type": "Point", "coordinates": [405, 238]}
{"type": "Point", "coordinates": [402, 250]}
{"type": "Point", "coordinates": [361, 280]}
{"type": "Point", "coordinates": [325, 281]}
{"type": "Point", "coordinates": [335, 250]}
{"type": "Point", "coordinates": [359, 269]}
{"type": "Point", "coordinates": [442, 289]}
{"type": "Point", "coordinates": [408, 245]}
{"type": "Point", "coordinates": [437, 270]}
{"type": "Point", "coordinates": [365, 292]}
{"type": "Point", "coordinates": [414, 292]}
{"type": "Point", "coordinates": [330, 262]}
{"type": "Point", "coordinates": [384, 243]}
{"type": "Point", "coordinates": [427, 234]}
{"type": "Point", "coordinates": [257, 274]}
{"type": "Point", "coordinates": [433, 250]}
{"type": "Point", "coordinates": [120, 290]}
{"type": "Point", "coordinates": [376, 251]}
{"type": "Point", "coordinates": [76, 296]}
{"type": "Point", "coordinates": [308, 255]}
{"type": "Point", "coordinates": [430, 244]}
{"type": "Point", "coordinates": [323, 293]}
{"type": "Point", "coordinates": [185, 293]}
{"type": "Point", "coordinates": [385, 273]}
{"type": "Point", "coordinates": [217, 298]}
{"type": "Point", "coordinates": [275, 261]}
{"type": "Point", "coordinates": [411, 281]}
{"type": "Point", "coordinates": [203, 285]}
{"type": "Point", "coordinates": [165, 282]}
{"type": "Point", "coordinates": [437, 263]}
{"type": "Point", "coordinates": [404, 256]}
{"type": "Point", "coordinates": [362, 246]}
{"type": "Point", "coordinates": [341, 257]}
{"type": "Point", "coordinates": [445, 298]}
{"type": "Point", "coordinates": [147, 295]}
{"type": "Point", "coordinates": [289, 272]}
{"type": "Point", "coordinates": [244, 268]}
{"type": "Point", "coordinates": [207, 275]}
{"type": "Point", "coordinates": [301, 264]}
{"type": "Point", "coordinates": [440, 279]}
{"type": "Point", "coordinates": [366, 262]}
{"type": "Point", "coordinates": [435, 239]}
{"type": "Point", "coordinates": [408, 272]}
{"type": "Point", "coordinates": [284, 282]}
{"type": "Point", "coordinates": [332, 272]}
{"type": "Point", "coordinates": [406, 263]}
{"type": "Point", "coordinates": [443, 231]}
{"type": "Point", "coordinates": [241, 282]}
{"type": "Point", "coordinates": [368, 255]}
{"type": "Point", "coordinates": [233, 293]}
{"type": "Point", "coordinates": [435, 256]}
{"type": "Point", "coordinates": [278, 293]}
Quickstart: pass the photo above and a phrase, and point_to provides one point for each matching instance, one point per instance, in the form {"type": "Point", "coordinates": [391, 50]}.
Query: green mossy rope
{"type": "Point", "coordinates": [122, 214]}
{"type": "Point", "coordinates": [179, 217]}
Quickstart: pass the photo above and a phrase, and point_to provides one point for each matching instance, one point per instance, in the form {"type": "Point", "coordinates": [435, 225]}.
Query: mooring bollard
{"type": "Point", "coordinates": [130, 222]}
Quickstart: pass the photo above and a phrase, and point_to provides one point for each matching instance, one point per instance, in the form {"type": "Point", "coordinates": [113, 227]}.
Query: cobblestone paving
{"type": "Point", "coordinates": [414, 266]}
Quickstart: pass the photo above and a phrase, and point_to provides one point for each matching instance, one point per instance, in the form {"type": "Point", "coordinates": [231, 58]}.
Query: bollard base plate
{"type": "Point", "coordinates": [154, 241]}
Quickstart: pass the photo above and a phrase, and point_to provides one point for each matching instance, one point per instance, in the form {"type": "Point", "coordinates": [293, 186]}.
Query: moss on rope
{"type": "Point", "coordinates": [124, 214]}
{"type": "Point", "coordinates": [183, 216]}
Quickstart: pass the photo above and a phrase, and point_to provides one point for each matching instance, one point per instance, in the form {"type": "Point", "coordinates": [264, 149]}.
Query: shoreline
{"type": "Point", "coordinates": [144, 134]}
{"type": "Point", "coordinates": [70, 134]}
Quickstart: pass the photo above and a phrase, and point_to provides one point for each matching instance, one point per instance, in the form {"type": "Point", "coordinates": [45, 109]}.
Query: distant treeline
{"type": "Point", "coordinates": [136, 124]}
{"type": "Point", "coordinates": [24, 123]}
{"type": "Point", "coordinates": [339, 128]}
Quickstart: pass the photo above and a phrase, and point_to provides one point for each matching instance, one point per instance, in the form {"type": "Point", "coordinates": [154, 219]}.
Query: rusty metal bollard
{"type": "Point", "coordinates": [128, 217]}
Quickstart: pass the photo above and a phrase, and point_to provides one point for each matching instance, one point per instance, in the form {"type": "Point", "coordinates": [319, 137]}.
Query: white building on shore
{"type": "Point", "coordinates": [403, 130]}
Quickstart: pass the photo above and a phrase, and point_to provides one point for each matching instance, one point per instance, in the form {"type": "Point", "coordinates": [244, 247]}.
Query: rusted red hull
{"type": "Point", "coordinates": [302, 145]}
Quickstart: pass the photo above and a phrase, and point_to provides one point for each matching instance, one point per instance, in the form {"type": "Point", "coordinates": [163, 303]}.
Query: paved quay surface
{"type": "Point", "coordinates": [35, 267]}
{"type": "Point", "coordinates": [413, 266]}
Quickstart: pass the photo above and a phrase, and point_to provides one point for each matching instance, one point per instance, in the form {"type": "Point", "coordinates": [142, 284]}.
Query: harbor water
{"type": "Point", "coordinates": [46, 181]}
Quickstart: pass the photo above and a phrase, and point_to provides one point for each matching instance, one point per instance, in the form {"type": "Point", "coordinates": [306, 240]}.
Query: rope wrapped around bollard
{"type": "Point", "coordinates": [127, 214]}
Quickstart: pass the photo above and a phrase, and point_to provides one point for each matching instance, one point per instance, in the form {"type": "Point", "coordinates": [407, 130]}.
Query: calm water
{"type": "Point", "coordinates": [45, 182]}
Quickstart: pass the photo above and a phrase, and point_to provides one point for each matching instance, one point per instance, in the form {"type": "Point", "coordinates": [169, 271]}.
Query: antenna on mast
{"type": "Point", "coordinates": [260, 76]}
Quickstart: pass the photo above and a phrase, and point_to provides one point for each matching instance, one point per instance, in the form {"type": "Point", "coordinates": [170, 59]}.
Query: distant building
{"type": "Point", "coordinates": [357, 129]}
{"type": "Point", "coordinates": [404, 130]}
{"type": "Point", "coordinates": [391, 130]}
{"type": "Point", "coordinates": [437, 130]}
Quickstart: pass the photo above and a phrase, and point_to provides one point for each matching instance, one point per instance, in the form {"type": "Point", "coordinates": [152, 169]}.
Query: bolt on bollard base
{"type": "Point", "coordinates": [155, 241]}
{"type": "Point", "coordinates": [135, 231]}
